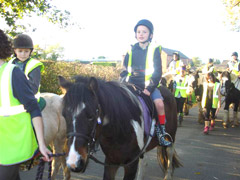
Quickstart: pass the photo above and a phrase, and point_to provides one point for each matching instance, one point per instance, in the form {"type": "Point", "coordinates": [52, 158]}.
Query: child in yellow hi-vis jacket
{"type": "Point", "coordinates": [19, 113]}
{"type": "Point", "coordinates": [211, 101]}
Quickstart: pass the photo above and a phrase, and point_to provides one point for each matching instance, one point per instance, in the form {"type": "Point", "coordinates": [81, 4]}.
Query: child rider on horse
{"type": "Point", "coordinates": [143, 68]}
{"type": "Point", "coordinates": [23, 47]}
{"type": "Point", "coordinates": [19, 112]}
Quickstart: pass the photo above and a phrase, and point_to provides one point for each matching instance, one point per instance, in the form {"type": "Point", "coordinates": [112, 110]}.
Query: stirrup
{"type": "Point", "coordinates": [164, 135]}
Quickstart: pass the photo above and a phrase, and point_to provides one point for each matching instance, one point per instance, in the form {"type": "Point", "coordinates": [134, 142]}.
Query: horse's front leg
{"type": "Point", "coordinates": [235, 115]}
{"type": "Point", "coordinates": [169, 170]}
{"type": "Point", "coordinates": [141, 167]}
{"type": "Point", "coordinates": [226, 114]}
{"type": "Point", "coordinates": [110, 171]}
{"type": "Point", "coordinates": [131, 171]}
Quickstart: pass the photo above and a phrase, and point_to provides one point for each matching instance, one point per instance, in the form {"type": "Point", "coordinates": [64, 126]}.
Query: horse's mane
{"type": "Point", "coordinates": [117, 104]}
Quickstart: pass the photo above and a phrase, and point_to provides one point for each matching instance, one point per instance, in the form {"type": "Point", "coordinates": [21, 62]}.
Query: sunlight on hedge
{"type": "Point", "coordinates": [53, 69]}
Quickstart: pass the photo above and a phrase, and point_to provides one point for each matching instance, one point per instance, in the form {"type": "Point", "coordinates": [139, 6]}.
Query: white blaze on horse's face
{"type": "Point", "coordinates": [73, 155]}
{"type": "Point", "coordinates": [223, 90]}
{"type": "Point", "coordinates": [224, 79]}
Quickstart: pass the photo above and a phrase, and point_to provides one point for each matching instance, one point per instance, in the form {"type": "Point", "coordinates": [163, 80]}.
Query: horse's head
{"type": "Point", "coordinates": [226, 84]}
{"type": "Point", "coordinates": [80, 109]}
{"type": "Point", "coordinates": [198, 84]}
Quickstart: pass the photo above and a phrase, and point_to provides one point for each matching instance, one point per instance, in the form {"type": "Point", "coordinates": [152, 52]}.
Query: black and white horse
{"type": "Point", "coordinates": [232, 96]}
{"type": "Point", "coordinates": [111, 114]}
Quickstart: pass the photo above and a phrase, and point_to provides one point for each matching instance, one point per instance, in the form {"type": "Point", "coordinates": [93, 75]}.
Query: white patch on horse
{"type": "Point", "coordinates": [73, 155]}
{"type": "Point", "coordinates": [224, 79]}
{"type": "Point", "coordinates": [139, 133]}
{"type": "Point", "coordinates": [105, 121]}
{"type": "Point", "coordinates": [136, 126]}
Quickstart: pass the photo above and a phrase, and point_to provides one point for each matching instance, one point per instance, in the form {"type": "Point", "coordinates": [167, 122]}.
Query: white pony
{"type": "Point", "coordinates": [55, 131]}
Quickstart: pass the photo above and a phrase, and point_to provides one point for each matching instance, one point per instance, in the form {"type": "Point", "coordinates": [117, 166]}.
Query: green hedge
{"type": "Point", "coordinates": [53, 69]}
{"type": "Point", "coordinates": [114, 64]}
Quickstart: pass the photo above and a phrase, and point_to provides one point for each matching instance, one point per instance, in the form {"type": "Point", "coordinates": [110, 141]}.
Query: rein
{"type": "Point", "coordinates": [41, 165]}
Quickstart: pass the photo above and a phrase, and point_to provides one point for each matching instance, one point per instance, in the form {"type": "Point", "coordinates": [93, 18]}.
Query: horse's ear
{"type": "Point", "coordinates": [65, 84]}
{"type": "Point", "coordinates": [93, 84]}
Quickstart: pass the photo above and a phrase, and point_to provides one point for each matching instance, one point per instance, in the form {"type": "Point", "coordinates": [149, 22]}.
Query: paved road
{"type": "Point", "coordinates": [205, 157]}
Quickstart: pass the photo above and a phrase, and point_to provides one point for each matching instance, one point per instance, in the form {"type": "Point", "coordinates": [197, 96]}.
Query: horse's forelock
{"type": "Point", "coordinates": [76, 95]}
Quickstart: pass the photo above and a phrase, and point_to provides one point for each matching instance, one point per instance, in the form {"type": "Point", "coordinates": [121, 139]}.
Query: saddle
{"type": "Point", "coordinates": [148, 107]}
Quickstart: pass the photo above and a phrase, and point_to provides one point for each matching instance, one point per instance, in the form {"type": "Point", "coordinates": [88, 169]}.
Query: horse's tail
{"type": "Point", "coordinates": [163, 159]}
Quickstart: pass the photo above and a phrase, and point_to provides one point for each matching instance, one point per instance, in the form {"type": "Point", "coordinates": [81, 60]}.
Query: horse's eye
{"type": "Point", "coordinates": [90, 117]}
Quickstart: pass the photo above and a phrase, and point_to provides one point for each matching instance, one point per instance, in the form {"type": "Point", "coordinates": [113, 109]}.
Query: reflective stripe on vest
{"type": "Point", "coordinates": [182, 88]}
{"type": "Point", "coordinates": [17, 139]}
{"type": "Point", "coordinates": [32, 64]}
{"type": "Point", "coordinates": [215, 95]}
{"type": "Point", "coordinates": [177, 67]}
{"type": "Point", "coordinates": [149, 69]}
{"type": "Point", "coordinates": [8, 106]}
{"type": "Point", "coordinates": [235, 68]}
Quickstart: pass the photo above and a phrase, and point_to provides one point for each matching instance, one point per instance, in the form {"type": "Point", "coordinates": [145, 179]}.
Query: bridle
{"type": "Point", "coordinates": [91, 139]}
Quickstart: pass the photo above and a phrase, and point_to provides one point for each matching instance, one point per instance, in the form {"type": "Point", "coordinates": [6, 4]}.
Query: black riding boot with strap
{"type": "Point", "coordinates": [161, 133]}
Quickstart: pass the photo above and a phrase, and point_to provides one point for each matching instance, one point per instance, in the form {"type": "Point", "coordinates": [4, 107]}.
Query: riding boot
{"type": "Point", "coordinates": [235, 119]}
{"type": "Point", "coordinates": [161, 133]}
{"type": "Point", "coordinates": [225, 118]}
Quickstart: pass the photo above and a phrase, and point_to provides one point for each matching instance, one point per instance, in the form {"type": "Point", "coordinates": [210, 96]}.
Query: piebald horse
{"type": "Point", "coordinates": [108, 112]}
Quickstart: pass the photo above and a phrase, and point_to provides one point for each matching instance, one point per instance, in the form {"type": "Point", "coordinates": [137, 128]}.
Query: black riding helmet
{"type": "Point", "coordinates": [146, 23]}
{"type": "Point", "coordinates": [235, 54]}
{"type": "Point", "coordinates": [23, 41]}
{"type": "Point", "coordinates": [177, 54]}
{"type": "Point", "coordinates": [210, 60]}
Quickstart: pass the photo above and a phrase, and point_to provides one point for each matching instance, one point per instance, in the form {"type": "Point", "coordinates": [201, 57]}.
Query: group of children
{"type": "Point", "coordinates": [143, 67]}
{"type": "Point", "coordinates": [211, 97]}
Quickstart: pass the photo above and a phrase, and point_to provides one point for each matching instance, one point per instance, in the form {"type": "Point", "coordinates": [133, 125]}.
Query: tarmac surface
{"type": "Point", "coordinates": [204, 157]}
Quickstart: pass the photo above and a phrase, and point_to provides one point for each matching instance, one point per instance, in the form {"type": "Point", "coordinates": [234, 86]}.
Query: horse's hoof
{"type": "Point", "coordinates": [225, 125]}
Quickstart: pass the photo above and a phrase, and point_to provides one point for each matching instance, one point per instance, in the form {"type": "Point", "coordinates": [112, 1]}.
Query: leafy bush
{"type": "Point", "coordinates": [53, 69]}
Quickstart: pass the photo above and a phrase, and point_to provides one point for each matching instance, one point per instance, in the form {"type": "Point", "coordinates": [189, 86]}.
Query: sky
{"type": "Point", "coordinates": [194, 27]}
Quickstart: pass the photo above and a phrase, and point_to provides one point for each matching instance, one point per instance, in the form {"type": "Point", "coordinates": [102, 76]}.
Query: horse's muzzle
{"type": "Point", "coordinates": [80, 166]}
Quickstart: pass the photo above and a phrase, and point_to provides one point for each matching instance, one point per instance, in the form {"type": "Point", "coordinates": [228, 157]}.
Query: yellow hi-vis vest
{"type": "Point", "coordinates": [182, 87]}
{"type": "Point", "coordinates": [235, 68]}
{"type": "Point", "coordinates": [215, 95]}
{"type": "Point", "coordinates": [177, 67]}
{"type": "Point", "coordinates": [17, 139]}
{"type": "Point", "coordinates": [32, 64]}
{"type": "Point", "coordinates": [149, 69]}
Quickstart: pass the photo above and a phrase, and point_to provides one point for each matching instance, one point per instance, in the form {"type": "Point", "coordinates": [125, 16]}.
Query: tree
{"type": "Point", "coordinates": [233, 13]}
{"type": "Point", "coordinates": [53, 52]}
{"type": "Point", "coordinates": [12, 11]}
{"type": "Point", "coordinates": [196, 62]}
{"type": "Point", "coordinates": [217, 61]}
